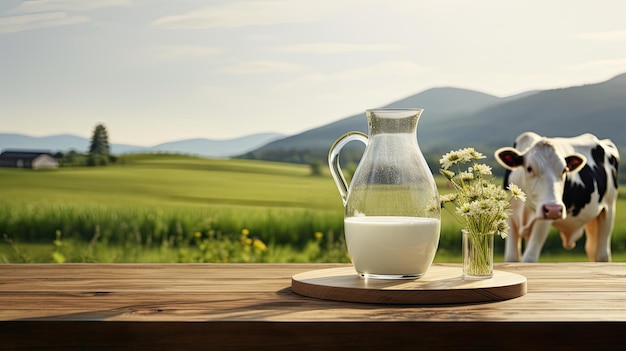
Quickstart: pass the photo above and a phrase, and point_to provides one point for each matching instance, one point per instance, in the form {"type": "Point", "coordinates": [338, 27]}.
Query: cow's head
{"type": "Point", "coordinates": [540, 171]}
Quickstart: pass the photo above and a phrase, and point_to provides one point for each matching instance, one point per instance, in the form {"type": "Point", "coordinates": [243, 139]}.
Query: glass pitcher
{"type": "Point", "coordinates": [392, 214]}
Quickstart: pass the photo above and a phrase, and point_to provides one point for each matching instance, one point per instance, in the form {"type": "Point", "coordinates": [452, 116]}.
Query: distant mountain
{"type": "Point", "coordinates": [438, 104]}
{"type": "Point", "coordinates": [441, 107]}
{"type": "Point", "coordinates": [201, 147]}
{"type": "Point", "coordinates": [218, 148]}
{"type": "Point", "coordinates": [599, 109]}
{"type": "Point", "coordinates": [454, 118]}
{"type": "Point", "coordinates": [53, 143]}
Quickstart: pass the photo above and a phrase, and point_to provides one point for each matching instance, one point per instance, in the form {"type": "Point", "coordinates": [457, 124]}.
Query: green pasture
{"type": "Point", "coordinates": [170, 208]}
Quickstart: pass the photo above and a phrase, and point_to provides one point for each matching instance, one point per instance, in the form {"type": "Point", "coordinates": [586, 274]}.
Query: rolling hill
{"type": "Point", "coordinates": [455, 118]}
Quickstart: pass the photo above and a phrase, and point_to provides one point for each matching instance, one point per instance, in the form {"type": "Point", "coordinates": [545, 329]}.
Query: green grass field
{"type": "Point", "coordinates": [170, 208]}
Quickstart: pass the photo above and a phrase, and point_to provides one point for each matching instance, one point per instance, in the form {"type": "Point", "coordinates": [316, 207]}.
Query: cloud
{"type": "Point", "coordinates": [376, 83]}
{"type": "Point", "coordinates": [390, 68]}
{"type": "Point", "coordinates": [261, 67]}
{"type": "Point", "coordinates": [598, 64]}
{"type": "Point", "coordinates": [248, 13]}
{"type": "Point", "coordinates": [351, 90]}
{"type": "Point", "coordinates": [22, 23]}
{"type": "Point", "coordinates": [66, 5]}
{"type": "Point", "coordinates": [29, 15]}
{"type": "Point", "coordinates": [337, 48]}
{"type": "Point", "coordinates": [383, 72]}
{"type": "Point", "coordinates": [610, 35]}
{"type": "Point", "coordinates": [182, 52]}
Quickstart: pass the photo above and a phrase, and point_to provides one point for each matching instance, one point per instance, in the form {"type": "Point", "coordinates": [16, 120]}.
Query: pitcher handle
{"type": "Point", "coordinates": [333, 160]}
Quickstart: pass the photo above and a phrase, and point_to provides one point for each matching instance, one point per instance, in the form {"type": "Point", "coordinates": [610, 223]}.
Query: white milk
{"type": "Point", "coordinates": [389, 245]}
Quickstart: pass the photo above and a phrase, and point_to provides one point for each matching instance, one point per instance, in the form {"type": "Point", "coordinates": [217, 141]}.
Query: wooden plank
{"type": "Point", "coordinates": [291, 307]}
{"type": "Point", "coordinates": [254, 291]}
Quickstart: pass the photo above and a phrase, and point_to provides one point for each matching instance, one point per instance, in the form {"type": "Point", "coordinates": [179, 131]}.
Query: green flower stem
{"type": "Point", "coordinates": [478, 254]}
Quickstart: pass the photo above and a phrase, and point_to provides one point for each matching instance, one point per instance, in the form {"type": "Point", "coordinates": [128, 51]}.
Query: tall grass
{"type": "Point", "coordinates": [146, 225]}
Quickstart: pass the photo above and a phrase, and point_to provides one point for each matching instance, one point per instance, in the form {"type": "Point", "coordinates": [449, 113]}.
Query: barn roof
{"type": "Point", "coordinates": [10, 154]}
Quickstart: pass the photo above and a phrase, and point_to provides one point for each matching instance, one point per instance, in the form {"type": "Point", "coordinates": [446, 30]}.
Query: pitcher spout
{"type": "Point", "coordinates": [393, 120]}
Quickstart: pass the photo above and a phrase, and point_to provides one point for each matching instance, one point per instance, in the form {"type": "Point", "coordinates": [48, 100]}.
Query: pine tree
{"type": "Point", "coordinates": [99, 147]}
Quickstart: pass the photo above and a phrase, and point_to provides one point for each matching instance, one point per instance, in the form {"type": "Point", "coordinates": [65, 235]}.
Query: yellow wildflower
{"type": "Point", "coordinates": [258, 244]}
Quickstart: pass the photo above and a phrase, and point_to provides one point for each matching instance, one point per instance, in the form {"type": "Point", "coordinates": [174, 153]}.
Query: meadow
{"type": "Point", "coordinates": [172, 208]}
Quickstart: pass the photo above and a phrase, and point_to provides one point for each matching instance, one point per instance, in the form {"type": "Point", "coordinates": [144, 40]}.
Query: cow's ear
{"type": "Point", "coordinates": [575, 162]}
{"type": "Point", "coordinates": [509, 158]}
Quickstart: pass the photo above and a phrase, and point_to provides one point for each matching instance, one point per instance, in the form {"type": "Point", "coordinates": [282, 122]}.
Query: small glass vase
{"type": "Point", "coordinates": [477, 255]}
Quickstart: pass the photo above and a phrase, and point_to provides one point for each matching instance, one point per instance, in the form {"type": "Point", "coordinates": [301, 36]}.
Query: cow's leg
{"type": "Point", "coordinates": [512, 247]}
{"type": "Point", "coordinates": [598, 243]}
{"type": "Point", "coordinates": [517, 231]}
{"type": "Point", "coordinates": [535, 242]}
{"type": "Point", "coordinates": [591, 240]}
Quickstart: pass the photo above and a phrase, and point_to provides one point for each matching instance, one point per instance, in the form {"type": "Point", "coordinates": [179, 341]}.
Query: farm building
{"type": "Point", "coordinates": [28, 159]}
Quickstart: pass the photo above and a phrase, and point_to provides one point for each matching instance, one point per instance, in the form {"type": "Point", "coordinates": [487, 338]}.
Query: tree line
{"type": "Point", "coordinates": [98, 153]}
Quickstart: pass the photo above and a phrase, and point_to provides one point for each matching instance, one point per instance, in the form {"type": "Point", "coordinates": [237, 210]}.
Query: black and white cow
{"type": "Point", "coordinates": [570, 183]}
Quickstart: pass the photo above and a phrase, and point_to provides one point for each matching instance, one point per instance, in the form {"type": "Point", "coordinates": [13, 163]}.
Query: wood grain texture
{"type": "Point", "coordinates": [440, 285]}
{"type": "Point", "coordinates": [248, 306]}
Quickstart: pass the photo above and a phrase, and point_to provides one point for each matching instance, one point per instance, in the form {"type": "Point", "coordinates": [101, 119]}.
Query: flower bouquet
{"type": "Point", "coordinates": [482, 208]}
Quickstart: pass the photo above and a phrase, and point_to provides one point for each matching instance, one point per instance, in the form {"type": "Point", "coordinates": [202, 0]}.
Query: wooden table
{"type": "Point", "coordinates": [249, 306]}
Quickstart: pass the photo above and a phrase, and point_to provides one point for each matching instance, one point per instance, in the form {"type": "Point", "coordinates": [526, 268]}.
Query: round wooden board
{"type": "Point", "coordinates": [440, 285]}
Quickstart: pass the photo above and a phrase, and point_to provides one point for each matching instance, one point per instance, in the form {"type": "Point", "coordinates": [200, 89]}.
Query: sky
{"type": "Point", "coordinates": [154, 71]}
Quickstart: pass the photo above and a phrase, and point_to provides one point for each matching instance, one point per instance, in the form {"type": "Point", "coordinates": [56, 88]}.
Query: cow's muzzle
{"type": "Point", "coordinates": [552, 211]}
